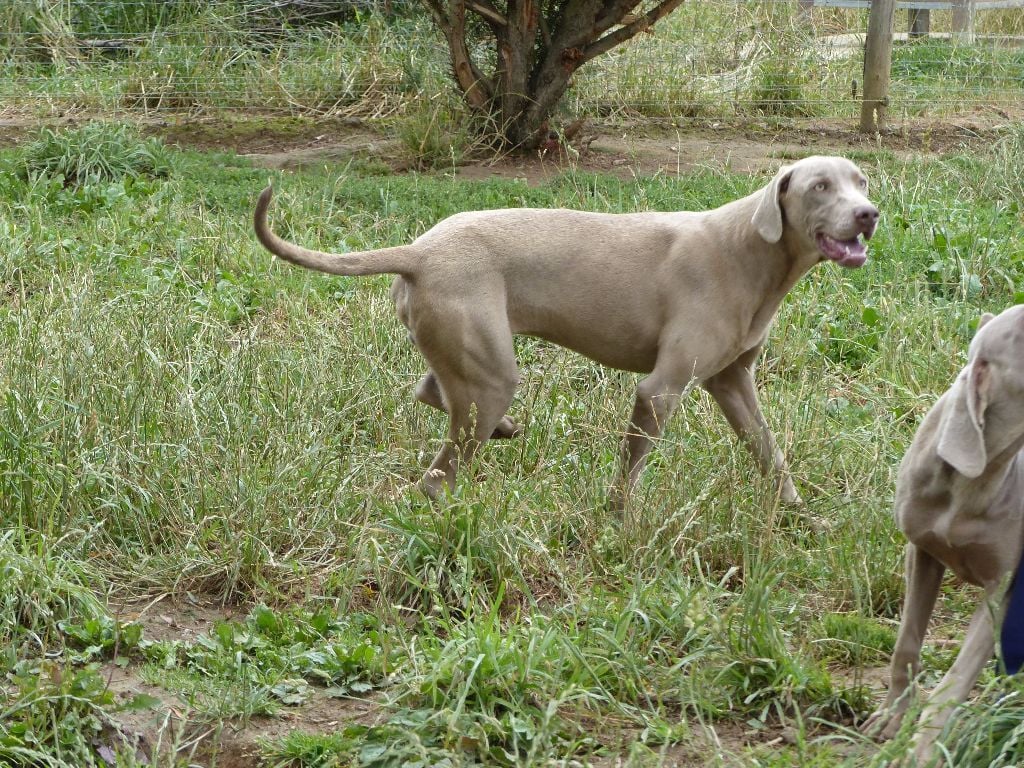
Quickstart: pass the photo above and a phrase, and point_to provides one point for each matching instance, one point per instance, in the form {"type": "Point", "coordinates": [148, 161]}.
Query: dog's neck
{"type": "Point", "coordinates": [775, 266]}
{"type": "Point", "coordinates": [1001, 480]}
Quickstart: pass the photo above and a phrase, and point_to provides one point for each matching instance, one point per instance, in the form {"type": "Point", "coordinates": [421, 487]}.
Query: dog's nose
{"type": "Point", "coordinates": [866, 215]}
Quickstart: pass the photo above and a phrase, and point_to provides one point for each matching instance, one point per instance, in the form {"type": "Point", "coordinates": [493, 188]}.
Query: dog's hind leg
{"type": "Point", "coordinates": [429, 393]}
{"type": "Point", "coordinates": [476, 376]}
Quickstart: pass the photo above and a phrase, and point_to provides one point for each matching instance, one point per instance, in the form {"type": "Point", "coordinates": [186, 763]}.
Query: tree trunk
{"type": "Point", "coordinates": [539, 45]}
{"type": "Point", "coordinates": [515, 62]}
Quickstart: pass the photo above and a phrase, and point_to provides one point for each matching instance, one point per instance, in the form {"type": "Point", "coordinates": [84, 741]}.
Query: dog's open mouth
{"type": "Point", "coordinates": [845, 253]}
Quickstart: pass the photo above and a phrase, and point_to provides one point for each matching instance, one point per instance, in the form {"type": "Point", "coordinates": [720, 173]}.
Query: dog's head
{"type": "Point", "coordinates": [985, 413]}
{"type": "Point", "coordinates": [821, 205]}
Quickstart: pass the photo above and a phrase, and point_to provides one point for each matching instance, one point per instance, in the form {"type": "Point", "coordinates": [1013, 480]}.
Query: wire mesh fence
{"type": "Point", "coordinates": [711, 58]}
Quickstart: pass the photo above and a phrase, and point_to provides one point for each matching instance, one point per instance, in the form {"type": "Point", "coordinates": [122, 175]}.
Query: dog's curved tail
{"type": "Point", "coordinates": [398, 260]}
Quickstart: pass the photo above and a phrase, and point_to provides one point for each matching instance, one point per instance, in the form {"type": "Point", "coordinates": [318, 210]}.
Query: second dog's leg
{"type": "Point", "coordinates": [924, 577]}
{"type": "Point", "coordinates": [975, 653]}
{"type": "Point", "coordinates": [429, 393]}
{"type": "Point", "coordinates": [734, 391]}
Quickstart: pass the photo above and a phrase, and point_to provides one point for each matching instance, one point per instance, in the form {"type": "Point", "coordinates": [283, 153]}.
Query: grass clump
{"type": "Point", "coordinates": [762, 674]}
{"type": "Point", "coordinates": [96, 152]}
{"type": "Point", "coordinates": [492, 693]}
{"type": "Point", "coordinates": [42, 595]}
{"type": "Point", "coordinates": [56, 708]}
{"type": "Point", "coordinates": [855, 640]}
{"type": "Point", "coordinates": [59, 717]}
{"type": "Point", "coordinates": [1009, 157]}
{"type": "Point", "coordinates": [313, 750]}
{"type": "Point", "coordinates": [990, 731]}
{"type": "Point", "coordinates": [640, 650]}
{"type": "Point", "coordinates": [457, 560]}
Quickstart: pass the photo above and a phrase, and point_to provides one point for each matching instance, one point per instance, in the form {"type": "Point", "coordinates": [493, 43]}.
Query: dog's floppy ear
{"type": "Point", "coordinates": [768, 216]}
{"type": "Point", "coordinates": [961, 433]}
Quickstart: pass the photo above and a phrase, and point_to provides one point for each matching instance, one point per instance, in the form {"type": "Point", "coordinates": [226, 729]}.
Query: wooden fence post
{"type": "Point", "coordinates": [918, 22]}
{"type": "Point", "coordinates": [963, 21]}
{"type": "Point", "coordinates": [877, 63]}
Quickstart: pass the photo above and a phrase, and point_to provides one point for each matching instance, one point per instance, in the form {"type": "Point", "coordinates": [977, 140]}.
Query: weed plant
{"type": "Point", "coordinates": [97, 152]}
{"type": "Point", "coordinates": [991, 730]}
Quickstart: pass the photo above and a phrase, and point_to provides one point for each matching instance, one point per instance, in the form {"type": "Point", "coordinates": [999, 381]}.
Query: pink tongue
{"type": "Point", "coordinates": [846, 253]}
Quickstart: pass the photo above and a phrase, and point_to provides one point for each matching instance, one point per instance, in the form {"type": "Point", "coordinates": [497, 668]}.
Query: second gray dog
{"type": "Point", "coordinates": [960, 502]}
{"type": "Point", "coordinates": [684, 297]}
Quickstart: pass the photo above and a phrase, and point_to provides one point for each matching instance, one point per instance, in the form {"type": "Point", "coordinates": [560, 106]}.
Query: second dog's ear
{"type": "Point", "coordinates": [961, 433]}
{"type": "Point", "coordinates": [768, 216]}
{"type": "Point", "coordinates": [984, 319]}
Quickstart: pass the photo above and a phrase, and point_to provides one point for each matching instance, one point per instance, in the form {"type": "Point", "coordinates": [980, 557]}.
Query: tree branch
{"type": "Point", "coordinates": [487, 10]}
{"type": "Point", "coordinates": [451, 18]}
{"type": "Point", "coordinates": [437, 10]}
{"type": "Point", "coordinates": [614, 11]}
{"type": "Point", "coordinates": [622, 34]}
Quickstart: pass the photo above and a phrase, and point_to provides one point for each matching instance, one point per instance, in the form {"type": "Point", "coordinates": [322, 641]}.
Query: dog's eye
{"type": "Point", "coordinates": [821, 186]}
{"type": "Point", "coordinates": [863, 183]}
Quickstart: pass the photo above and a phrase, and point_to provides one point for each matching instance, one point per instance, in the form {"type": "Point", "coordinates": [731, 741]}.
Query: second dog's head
{"type": "Point", "coordinates": [820, 204]}
{"type": "Point", "coordinates": [985, 414]}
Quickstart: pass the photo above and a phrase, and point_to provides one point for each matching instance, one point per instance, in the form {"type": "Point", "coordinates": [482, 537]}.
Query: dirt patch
{"type": "Point", "coordinates": [640, 148]}
{"type": "Point", "coordinates": [166, 618]}
{"type": "Point", "coordinates": [237, 745]}
{"type": "Point", "coordinates": [648, 150]}
{"type": "Point", "coordinates": [287, 143]}
{"type": "Point", "coordinates": [171, 727]}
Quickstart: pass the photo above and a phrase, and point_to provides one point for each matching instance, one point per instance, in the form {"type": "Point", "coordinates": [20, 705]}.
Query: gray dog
{"type": "Point", "coordinates": [680, 296]}
{"type": "Point", "coordinates": [960, 501]}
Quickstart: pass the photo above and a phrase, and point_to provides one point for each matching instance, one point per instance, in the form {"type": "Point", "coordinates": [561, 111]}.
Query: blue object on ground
{"type": "Point", "coordinates": [1011, 636]}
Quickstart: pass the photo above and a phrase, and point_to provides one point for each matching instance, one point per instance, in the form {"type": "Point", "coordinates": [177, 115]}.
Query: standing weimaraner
{"type": "Point", "coordinates": [680, 296]}
{"type": "Point", "coordinates": [960, 502]}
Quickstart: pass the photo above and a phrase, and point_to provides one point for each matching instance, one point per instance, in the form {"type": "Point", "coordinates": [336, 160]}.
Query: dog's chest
{"type": "Point", "coordinates": [979, 545]}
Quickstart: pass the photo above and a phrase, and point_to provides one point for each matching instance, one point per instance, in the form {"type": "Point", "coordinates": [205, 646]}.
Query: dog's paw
{"type": "Point", "coordinates": [506, 429]}
{"type": "Point", "coordinates": [882, 724]}
{"type": "Point", "coordinates": [432, 483]}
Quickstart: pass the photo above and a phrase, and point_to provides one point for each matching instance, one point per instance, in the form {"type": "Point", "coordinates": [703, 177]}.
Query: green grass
{"type": "Point", "coordinates": [183, 415]}
{"type": "Point", "coordinates": [314, 750]}
{"type": "Point", "coordinates": [990, 732]}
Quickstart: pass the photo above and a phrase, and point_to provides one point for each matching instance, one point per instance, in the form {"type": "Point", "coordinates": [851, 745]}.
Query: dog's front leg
{"type": "Point", "coordinates": [956, 684]}
{"type": "Point", "coordinates": [924, 577]}
{"type": "Point", "coordinates": [656, 398]}
{"type": "Point", "coordinates": [734, 391]}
